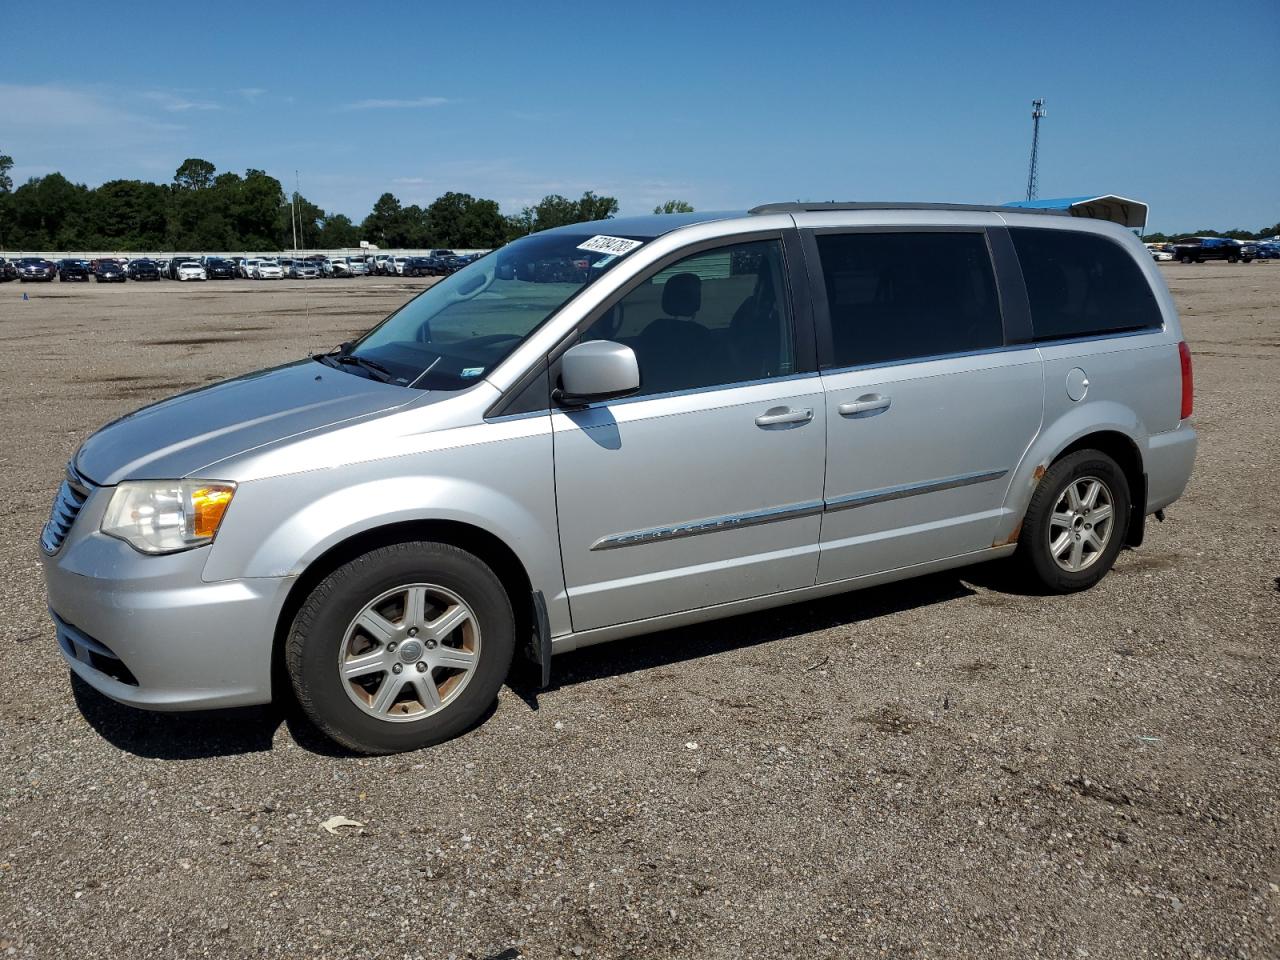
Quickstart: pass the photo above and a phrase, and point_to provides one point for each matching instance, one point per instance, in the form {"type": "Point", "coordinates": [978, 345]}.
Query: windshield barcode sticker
{"type": "Point", "coordinates": [614, 245]}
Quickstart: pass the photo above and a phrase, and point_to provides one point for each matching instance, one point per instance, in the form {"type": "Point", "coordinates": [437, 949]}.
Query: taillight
{"type": "Point", "coordinates": [1184, 354]}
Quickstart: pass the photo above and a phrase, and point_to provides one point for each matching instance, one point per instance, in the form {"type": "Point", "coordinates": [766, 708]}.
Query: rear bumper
{"type": "Point", "coordinates": [1168, 463]}
{"type": "Point", "coordinates": [149, 632]}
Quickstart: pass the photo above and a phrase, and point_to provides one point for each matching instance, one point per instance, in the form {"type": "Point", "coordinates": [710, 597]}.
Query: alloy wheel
{"type": "Point", "coordinates": [409, 652]}
{"type": "Point", "coordinates": [1081, 524]}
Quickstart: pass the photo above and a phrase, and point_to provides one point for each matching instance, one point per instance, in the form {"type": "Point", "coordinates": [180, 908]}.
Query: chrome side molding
{"type": "Point", "coordinates": [734, 521]}
{"type": "Point", "coordinates": [695, 527]}
{"type": "Point", "coordinates": [911, 490]}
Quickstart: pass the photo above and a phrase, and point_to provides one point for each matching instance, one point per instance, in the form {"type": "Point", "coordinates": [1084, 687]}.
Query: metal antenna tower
{"type": "Point", "coordinates": [1037, 111]}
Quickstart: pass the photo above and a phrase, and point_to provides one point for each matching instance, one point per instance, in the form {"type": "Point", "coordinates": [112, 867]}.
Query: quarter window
{"type": "Point", "coordinates": [1081, 284]}
{"type": "Point", "coordinates": [714, 318]}
{"type": "Point", "coordinates": [903, 296]}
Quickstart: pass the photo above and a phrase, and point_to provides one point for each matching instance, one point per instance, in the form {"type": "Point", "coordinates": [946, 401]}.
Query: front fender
{"type": "Point", "coordinates": [277, 526]}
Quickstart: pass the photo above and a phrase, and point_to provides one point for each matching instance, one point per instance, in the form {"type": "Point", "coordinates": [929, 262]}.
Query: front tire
{"type": "Point", "coordinates": [1076, 523]}
{"type": "Point", "coordinates": [401, 648]}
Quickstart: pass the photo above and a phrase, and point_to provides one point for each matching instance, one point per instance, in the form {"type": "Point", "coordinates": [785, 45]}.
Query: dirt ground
{"type": "Point", "coordinates": [940, 768]}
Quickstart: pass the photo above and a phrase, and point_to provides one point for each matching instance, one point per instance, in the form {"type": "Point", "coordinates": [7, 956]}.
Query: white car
{"type": "Point", "coordinates": [396, 265]}
{"type": "Point", "coordinates": [339, 267]}
{"type": "Point", "coordinates": [267, 270]}
{"type": "Point", "coordinates": [1159, 255]}
{"type": "Point", "coordinates": [190, 270]}
{"type": "Point", "coordinates": [247, 267]}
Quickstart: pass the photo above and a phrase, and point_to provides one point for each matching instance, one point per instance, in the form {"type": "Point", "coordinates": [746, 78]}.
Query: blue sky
{"type": "Point", "coordinates": [724, 105]}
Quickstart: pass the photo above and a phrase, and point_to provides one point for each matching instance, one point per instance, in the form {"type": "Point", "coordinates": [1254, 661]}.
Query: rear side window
{"type": "Point", "coordinates": [903, 296]}
{"type": "Point", "coordinates": [1082, 284]}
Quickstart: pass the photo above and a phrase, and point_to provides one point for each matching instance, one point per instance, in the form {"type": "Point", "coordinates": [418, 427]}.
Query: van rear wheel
{"type": "Point", "coordinates": [401, 648]}
{"type": "Point", "coordinates": [1075, 525]}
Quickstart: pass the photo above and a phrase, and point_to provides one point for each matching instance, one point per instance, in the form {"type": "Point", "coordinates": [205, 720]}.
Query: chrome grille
{"type": "Point", "coordinates": [66, 507]}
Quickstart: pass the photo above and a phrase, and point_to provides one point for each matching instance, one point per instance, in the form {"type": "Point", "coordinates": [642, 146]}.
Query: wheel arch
{"type": "Point", "coordinates": [475, 540]}
{"type": "Point", "coordinates": [1116, 437]}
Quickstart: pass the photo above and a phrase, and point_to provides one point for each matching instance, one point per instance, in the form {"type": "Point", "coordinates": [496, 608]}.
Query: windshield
{"type": "Point", "coordinates": [458, 330]}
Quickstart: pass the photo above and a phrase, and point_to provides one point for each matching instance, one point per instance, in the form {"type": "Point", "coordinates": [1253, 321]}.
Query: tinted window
{"type": "Point", "coordinates": [898, 296]}
{"type": "Point", "coordinates": [1081, 284]}
{"type": "Point", "coordinates": [714, 318]}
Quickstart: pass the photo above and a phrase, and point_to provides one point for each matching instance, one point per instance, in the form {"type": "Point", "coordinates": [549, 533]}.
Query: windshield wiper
{"type": "Point", "coordinates": [365, 363]}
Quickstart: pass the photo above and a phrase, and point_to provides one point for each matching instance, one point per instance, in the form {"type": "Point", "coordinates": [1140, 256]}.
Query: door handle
{"type": "Point", "coordinates": [780, 415]}
{"type": "Point", "coordinates": [872, 403]}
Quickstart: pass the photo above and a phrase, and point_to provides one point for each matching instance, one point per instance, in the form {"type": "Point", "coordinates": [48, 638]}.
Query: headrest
{"type": "Point", "coordinates": [682, 295]}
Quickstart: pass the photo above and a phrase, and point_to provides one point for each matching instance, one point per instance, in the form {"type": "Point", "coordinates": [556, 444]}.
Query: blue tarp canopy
{"type": "Point", "coordinates": [1121, 210]}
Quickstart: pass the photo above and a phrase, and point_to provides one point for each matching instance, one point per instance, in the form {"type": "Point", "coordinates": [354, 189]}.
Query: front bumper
{"type": "Point", "coordinates": [149, 632]}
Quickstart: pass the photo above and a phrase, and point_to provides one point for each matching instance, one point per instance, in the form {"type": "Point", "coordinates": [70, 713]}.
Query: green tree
{"type": "Point", "coordinates": [674, 206]}
{"type": "Point", "coordinates": [194, 174]}
{"type": "Point", "coordinates": [383, 220]}
{"type": "Point", "coordinates": [255, 210]}
{"type": "Point", "coordinates": [592, 207]}
{"type": "Point", "coordinates": [128, 215]}
{"type": "Point", "coordinates": [336, 231]}
{"type": "Point", "coordinates": [6, 181]}
{"type": "Point", "coordinates": [460, 220]}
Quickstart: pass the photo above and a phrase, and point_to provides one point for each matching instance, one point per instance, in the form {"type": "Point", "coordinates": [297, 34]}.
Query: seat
{"type": "Point", "coordinates": [675, 351]}
{"type": "Point", "coordinates": [755, 340]}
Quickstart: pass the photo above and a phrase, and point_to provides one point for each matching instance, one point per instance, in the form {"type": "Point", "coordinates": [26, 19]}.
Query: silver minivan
{"type": "Point", "coordinates": [613, 428]}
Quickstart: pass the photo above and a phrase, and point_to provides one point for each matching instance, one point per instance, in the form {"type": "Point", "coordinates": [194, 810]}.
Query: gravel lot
{"type": "Point", "coordinates": [940, 768]}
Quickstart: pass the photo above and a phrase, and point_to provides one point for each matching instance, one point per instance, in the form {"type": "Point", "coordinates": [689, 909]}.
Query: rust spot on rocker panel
{"type": "Point", "coordinates": [1039, 473]}
{"type": "Point", "coordinates": [1012, 538]}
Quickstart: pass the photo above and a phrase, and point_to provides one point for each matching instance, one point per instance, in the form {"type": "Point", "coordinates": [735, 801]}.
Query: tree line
{"type": "Point", "coordinates": [203, 209]}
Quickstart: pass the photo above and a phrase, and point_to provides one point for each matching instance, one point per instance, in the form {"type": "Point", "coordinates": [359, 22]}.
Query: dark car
{"type": "Point", "coordinates": [417, 267]}
{"type": "Point", "coordinates": [36, 269]}
{"type": "Point", "coordinates": [72, 270]}
{"type": "Point", "coordinates": [8, 270]}
{"type": "Point", "coordinates": [109, 271]}
{"type": "Point", "coordinates": [216, 268]}
{"type": "Point", "coordinates": [1200, 249]}
{"type": "Point", "coordinates": [142, 270]}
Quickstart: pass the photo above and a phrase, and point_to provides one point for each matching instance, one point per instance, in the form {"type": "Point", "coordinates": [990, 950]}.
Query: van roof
{"type": "Point", "coordinates": [1121, 210]}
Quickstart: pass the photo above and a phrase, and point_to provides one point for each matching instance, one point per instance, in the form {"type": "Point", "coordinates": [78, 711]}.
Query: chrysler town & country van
{"type": "Point", "coordinates": [612, 428]}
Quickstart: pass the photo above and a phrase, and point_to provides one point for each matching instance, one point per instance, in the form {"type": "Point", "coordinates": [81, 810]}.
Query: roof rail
{"type": "Point", "coordinates": [801, 207]}
{"type": "Point", "coordinates": [1121, 210]}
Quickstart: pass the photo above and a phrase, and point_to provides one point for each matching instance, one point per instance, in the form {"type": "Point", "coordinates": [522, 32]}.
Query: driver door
{"type": "Point", "coordinates": [705, 487]}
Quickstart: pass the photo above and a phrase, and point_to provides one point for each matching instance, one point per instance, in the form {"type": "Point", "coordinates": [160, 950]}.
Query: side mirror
{"type": "Point", "coordinates": [596, 370]}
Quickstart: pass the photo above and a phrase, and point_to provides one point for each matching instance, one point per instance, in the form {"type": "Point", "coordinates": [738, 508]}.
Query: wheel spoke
{"type": "Point", "coordinates": [365, 664]}
{"type": "Point", "coordinates": [1077, 554]}
{"type": "Point", "coordinates": [1062, 520]}
{"type": "Point", "coordinates": [1060, 544]}
{"type": "Point", "coordinates": [425, 687]}
{"type": "Point", "coordinates": [449, 621]}
{"type": "Point", "coordinates": [1091, 494]}
{"type": "Point", "coordinates": [415, 607]}
{"type": "Point", "coordinates": [453, 658]}
{"type": "Point", "coordinates": [1099, 514]}
{"type": "Point", "coordinates": [377, 626]}
{"type": "Point", "coordinates": [388, 690]}
{"type": "Point", "coordinates": [1073, 496]}
{"type": "Point", "coordinates": [1091, 537]}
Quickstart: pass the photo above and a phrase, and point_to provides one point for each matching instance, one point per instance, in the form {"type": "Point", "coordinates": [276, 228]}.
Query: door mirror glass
{"type": "Point", "coordinates": [597, 370]}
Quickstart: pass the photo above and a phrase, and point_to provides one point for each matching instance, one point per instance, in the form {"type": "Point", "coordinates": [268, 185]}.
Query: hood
{"type": "Point", "coordinates": [177, 437]}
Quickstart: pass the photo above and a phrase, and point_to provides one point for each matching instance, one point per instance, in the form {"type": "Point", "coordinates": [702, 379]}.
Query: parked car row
{"type": "Point", "coordinates": [440, 263]}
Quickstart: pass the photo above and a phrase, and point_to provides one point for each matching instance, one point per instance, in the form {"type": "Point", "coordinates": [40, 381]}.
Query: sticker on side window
{"type": "Point", "coordinates": [613, 245]}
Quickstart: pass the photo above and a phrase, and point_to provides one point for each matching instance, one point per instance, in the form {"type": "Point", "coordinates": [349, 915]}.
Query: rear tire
{"type": "Point", "coordinates": [1076, 523]}
{"type": "Point", "coordinates": [431, 705]}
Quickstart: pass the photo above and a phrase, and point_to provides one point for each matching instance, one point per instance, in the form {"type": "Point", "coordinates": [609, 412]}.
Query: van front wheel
{"type": "Point", "coordinates": [1075, 526]}
{"type": "Point", "coordinates": [401, 648]}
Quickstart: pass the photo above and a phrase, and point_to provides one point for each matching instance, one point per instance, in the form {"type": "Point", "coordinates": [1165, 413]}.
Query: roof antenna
{"type": "Point", "coordinates": [1037, 111]}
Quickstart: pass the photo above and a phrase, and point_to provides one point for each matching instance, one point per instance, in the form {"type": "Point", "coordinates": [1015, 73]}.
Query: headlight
{"type": "Point", "coordinates": [164, 516]}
